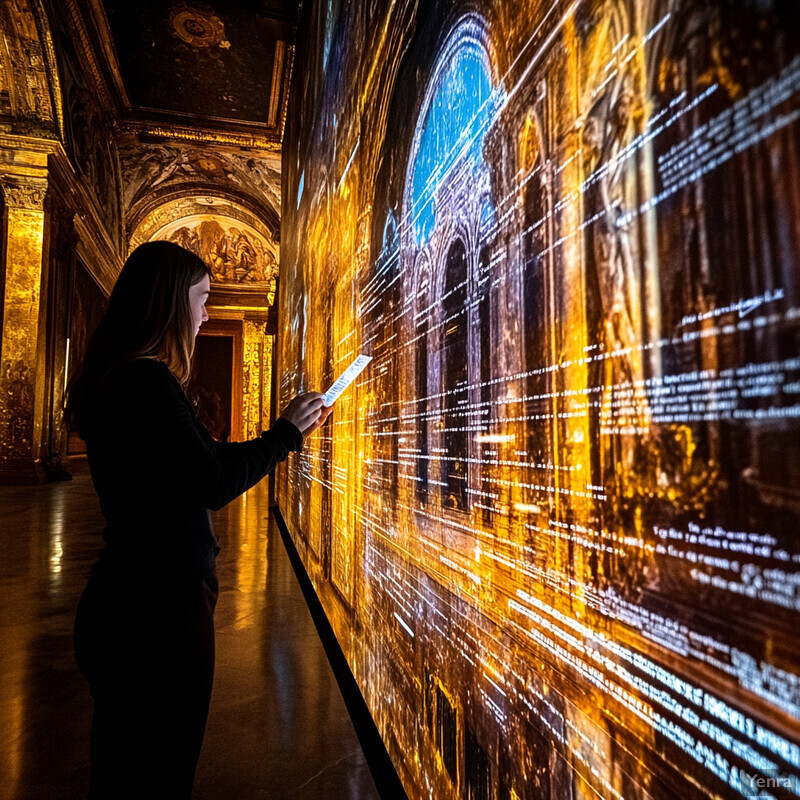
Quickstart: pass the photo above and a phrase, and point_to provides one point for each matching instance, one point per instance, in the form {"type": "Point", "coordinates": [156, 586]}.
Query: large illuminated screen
{"type": "Point", "coordinates": [555, 523]}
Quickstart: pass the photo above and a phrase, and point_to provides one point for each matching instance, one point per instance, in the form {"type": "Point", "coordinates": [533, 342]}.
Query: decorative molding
{"type": "Point", "coordinates": [97, 252]}
{"type": "Point", "coordinates": [24, 158]}
{"type": "Point", "coordinates": [160, 131]}
{"type": "Point", "coordinates": [227, 312]}
{"type": "Point", "coordinates": [105, 42]}
{"type": "Point", "coordinates": [51, 65]}
{"type": "Point", "coordinates": [86, 53]}
{"type": "Point", "coordinates": [287, 83]}
{"type": "Point", "coordinates": [137, 119]}
{"type": "Point", "coordinates": [277, 74]}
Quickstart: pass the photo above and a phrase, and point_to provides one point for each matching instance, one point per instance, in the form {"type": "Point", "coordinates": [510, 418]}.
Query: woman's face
{"type": "Point", "coordinates": [198, 294]}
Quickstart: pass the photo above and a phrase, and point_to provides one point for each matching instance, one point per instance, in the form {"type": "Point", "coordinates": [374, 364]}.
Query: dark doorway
{"type": "Point", "coordinates": [455, 377]}
{"type": "Point", "coordinates": [210, 386]}
{"type": "Point", "coordinates": [87, 306]}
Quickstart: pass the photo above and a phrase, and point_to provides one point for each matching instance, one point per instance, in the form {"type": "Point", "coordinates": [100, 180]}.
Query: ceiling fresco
{"type": "Point", "coordinates": [233, 250]}
{"type": "Point", "coordinates": [154, 173]}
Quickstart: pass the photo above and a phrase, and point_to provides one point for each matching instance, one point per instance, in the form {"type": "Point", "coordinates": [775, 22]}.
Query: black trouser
{"type": "Point", "coordinates": [147, 649]}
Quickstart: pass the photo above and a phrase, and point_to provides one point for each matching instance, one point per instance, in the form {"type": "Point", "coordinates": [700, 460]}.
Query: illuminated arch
{"type": "Point", "coordinates": [448, 219]}
{"type": "Point", "coordinates": [462, 99]}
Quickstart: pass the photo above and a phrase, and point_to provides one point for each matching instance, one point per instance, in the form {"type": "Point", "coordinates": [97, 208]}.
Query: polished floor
{"type": "Point", "coordinates": [278, 727]}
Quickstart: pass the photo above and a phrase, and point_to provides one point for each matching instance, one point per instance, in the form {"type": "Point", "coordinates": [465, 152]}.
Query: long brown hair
{"type": "Point", "coordinates": [148, 316]}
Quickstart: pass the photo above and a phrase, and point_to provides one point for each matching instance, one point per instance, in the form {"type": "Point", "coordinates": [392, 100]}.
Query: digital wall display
{"type": "Point", "coordinates": [555, 523]}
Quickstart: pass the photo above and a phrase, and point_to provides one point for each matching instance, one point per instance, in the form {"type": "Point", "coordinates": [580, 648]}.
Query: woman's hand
{"type": "Point", "coordinates": [307, 412]}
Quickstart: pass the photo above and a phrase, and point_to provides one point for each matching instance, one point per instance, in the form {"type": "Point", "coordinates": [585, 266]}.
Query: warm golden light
{"type": "Point", "coordinates": [553, 523]}
{"type": "Point", "coordinates": [21, 400]}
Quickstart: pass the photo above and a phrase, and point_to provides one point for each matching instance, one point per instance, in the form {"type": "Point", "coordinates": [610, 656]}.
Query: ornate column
{"type": "Point", "coordinates": [21, 385]}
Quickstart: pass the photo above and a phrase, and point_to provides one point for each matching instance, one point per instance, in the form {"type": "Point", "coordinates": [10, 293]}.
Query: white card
{"type": "Point", "coordinates": [345, 379]}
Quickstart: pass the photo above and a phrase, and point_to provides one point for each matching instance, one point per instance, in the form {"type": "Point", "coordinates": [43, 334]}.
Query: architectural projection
{"type": "Point", "coordinates": [554, 523]}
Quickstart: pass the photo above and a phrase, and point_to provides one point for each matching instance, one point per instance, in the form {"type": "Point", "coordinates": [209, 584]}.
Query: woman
{"type": "Point", "coordinates": [144, 634]}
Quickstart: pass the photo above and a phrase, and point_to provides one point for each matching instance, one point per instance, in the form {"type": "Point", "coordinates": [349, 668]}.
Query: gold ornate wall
{"type": "Point", "coordinates": [30, 121]}
{"type": "Point", "coordinates": [257, 379]}
{"type": "Point", "coordinates": [554, 522]}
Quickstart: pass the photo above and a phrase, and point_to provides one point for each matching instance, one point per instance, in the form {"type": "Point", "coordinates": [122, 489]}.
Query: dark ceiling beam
{"type": "Point", "coordinates": [280, 19]}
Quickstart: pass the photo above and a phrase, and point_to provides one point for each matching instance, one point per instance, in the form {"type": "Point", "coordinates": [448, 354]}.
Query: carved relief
{"type": "Point", "coordinates": [16, 409]}
{"type": "Point", "coordinates": [25, 195]}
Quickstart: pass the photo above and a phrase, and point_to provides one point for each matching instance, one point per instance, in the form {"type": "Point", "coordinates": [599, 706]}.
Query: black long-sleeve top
{"type": "Point", "coordinates": [158, 471]}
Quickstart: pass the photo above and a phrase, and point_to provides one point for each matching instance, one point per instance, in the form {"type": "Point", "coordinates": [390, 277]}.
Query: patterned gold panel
{"type": "Point", "coordinates": [257, 379]}
{"type": "Point", "coordinates": [20, 427]}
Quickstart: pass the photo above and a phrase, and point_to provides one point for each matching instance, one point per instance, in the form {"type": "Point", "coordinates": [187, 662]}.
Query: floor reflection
{"type": "Point", "coordinates": [278, 726]}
